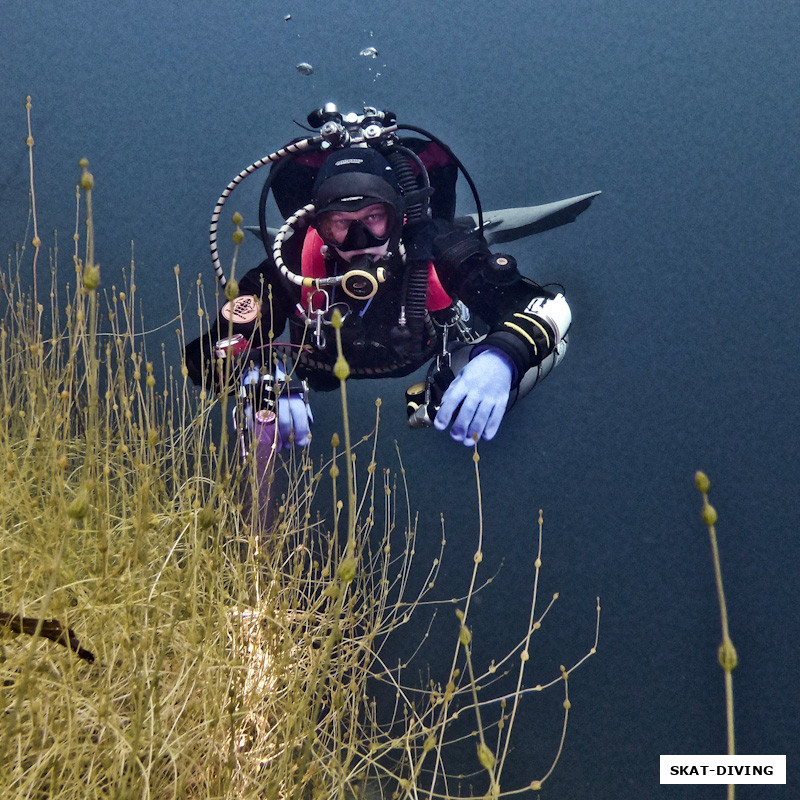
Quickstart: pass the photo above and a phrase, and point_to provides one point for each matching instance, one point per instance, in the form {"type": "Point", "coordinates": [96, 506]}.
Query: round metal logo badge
{"type": "Point", "coordinates": [242, 310]}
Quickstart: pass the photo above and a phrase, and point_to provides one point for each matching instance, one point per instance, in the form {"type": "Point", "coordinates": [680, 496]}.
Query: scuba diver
{"type": "Point", "coordinates": [370, 230]}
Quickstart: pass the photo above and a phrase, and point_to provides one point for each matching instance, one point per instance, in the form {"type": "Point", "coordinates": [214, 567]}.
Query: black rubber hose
{"type": "Point", "coordinates": [399, 157]}
{"type": "Point", "coordinates": [457, 162]}
{"type": "Point", "coordinates": [416, 283]}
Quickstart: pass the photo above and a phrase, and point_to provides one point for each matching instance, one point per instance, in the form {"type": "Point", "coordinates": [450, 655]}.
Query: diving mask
{"type": "Point", "coordinates": [352, 232]}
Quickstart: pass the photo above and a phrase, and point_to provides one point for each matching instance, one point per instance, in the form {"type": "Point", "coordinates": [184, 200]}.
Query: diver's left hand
{"type": "Point", "coordinates": [294, 422]}
{"type": "Point", "coordinates": [482, 388]}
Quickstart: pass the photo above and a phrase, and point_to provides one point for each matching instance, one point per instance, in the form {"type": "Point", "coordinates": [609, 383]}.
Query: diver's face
{"type": "Point", "coordinates": [335, 225]}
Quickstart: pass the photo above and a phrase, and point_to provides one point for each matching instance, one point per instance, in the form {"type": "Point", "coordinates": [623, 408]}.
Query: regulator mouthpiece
{"type": "Point", "coordinates": [362, 281]}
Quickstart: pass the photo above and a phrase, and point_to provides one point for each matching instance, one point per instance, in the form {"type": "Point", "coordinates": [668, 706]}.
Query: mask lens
{"type": "Point", "coordinates": [369, 230]}
{"type": "Point", "coordinates": [331, 230]}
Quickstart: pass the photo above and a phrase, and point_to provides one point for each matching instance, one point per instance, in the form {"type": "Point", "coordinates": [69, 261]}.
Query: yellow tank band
{"type": "Point", "coordinates": [535, 322]}
{"type": "Point", "coordinates": [523, 333]}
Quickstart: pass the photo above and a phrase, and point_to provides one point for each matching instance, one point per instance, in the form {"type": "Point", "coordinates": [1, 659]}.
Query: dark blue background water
{"type": "Point", "coordinates": [683, 278]}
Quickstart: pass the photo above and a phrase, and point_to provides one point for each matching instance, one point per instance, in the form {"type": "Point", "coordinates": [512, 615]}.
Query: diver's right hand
{"type": "Point", "coordinates": [294, 420]}
{"type": "Point", "coordinates": [476, 400]}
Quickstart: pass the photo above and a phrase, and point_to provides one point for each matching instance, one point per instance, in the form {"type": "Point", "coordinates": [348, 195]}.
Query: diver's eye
{"type": "Point", "coordinates": [334, 229]}
{"type": "Point", "coordinates": [377, 222]}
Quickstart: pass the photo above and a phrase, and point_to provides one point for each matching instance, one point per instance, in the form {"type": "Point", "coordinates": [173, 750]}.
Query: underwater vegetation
{"type": "Point", "coordinates": [155, 640]}
{"type": "Point", "coordinates": [727, 652]}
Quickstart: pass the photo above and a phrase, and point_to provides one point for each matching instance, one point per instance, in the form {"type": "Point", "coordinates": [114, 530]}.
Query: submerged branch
{"type": "Point", "coordinates": [50, 629]}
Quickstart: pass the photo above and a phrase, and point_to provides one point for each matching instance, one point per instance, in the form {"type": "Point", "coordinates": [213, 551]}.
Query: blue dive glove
{"type": "Point", "coordinates": [294, 413]}
{"type": "Point", "coordinates": [482, 388]}
{"type": "Point", "coordinates": [294, 417]}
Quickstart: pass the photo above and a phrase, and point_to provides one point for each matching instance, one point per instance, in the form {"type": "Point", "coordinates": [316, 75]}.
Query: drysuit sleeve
{"type": "Point", "coordinates": [526, 321]}
{"type": "Point", "coordinates": [258, 314]}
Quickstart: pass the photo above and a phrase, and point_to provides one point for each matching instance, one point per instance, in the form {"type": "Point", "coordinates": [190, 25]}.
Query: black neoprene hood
{"type": "Point", "coordinates": [354, 178]}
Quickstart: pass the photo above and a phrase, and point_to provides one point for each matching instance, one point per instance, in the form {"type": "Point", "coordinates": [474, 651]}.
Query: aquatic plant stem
{"type": "Point", "coordinates": [342, 372]}
{"type": "Point", "coordinates": [462, 616]}
{"type": "Point", "coordinates": [36, 241]}
{"type": "Point", "coordinates": [485, 756]}
{"type": "Point", "coordinates": [727, 653]}
{"type": "Point", "coordinates": [525, 654]}
{"type": "Point", "coordinates": [90, 282]}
